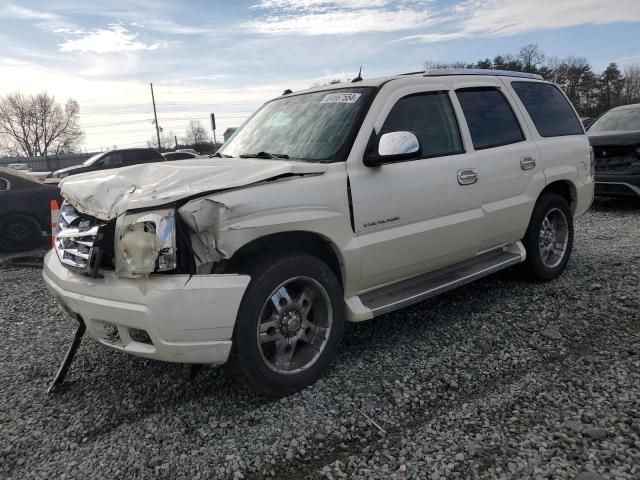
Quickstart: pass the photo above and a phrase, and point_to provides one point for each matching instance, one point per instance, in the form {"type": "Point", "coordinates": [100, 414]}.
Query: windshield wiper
{"type": "Point", "coordinates": [276, 156]}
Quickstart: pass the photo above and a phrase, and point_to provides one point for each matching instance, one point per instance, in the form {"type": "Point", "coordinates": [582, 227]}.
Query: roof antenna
{"type": "Point", "coordinates": [359, 77]}
{"type": "Point", "coordinates": [287, 91]}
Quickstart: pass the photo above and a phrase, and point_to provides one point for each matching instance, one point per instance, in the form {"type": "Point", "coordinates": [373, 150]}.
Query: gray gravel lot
{"type": "Point", "coordinates": [499, 379]}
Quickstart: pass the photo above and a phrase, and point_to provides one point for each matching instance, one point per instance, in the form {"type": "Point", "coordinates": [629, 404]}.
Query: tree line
{"type": "Point", "coordinates": [591, 93]}
{"type": "Point", "coordinates": [36, 125]}
{"type": "Point", "coordinates": [196, 136]}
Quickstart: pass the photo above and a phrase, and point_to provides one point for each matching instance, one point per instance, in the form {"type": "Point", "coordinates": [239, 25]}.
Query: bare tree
{"type": "Point", "coordinates": [167, 140]}
{"type": "Point", "coordinates": [531, 58]}
{"type": "Point", "coordinates": [195, 134]}
{"type": "Point", "coordinates": [36, 125]}
{"type": "Point", "coordinates": [631, 88]}
{"type": "Point", "coordinates": [431, 65]}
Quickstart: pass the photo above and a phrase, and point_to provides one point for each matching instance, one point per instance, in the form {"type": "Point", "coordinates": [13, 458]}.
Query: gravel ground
{"type": "Point", "coordinates": [499, 379]}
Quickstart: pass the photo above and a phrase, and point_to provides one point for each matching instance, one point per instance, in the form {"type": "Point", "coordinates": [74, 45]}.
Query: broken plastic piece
{"type": "Point", "coordinates": [68, 358]}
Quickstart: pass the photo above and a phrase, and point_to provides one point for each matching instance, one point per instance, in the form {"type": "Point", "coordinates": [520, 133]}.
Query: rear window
{"type": "Point", "coordinates": [548, 108]}
{"type": "Point", "coordinates": [154, 155]}
{"type": "Point", "coordinates": [491, 121]}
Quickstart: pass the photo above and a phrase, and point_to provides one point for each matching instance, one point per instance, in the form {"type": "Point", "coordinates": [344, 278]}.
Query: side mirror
{"type": "Point", "coordinates": [394, 147]}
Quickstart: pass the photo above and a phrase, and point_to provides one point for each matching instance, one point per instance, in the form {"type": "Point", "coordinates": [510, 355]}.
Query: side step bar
{"type": "Point", "coordinates": [417, 289]}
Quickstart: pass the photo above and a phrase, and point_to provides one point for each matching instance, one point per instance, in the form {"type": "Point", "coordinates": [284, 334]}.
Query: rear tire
{"type": "Point", "coordinates": [289, 325]}
{"type": "Point", "coordinates": [549, 238]}
{"type": "Point", "coordinates": [19, 232]}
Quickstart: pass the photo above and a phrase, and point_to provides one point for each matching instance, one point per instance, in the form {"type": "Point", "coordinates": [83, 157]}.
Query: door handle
{"type": "Point", "coordinates": [467, 176]}
{"type": "Point", "coordinates": [527, 163]}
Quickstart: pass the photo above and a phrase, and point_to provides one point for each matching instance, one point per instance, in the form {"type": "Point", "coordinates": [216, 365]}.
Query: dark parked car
{"type": "Point", "coordinates": [112, 159]}
{"type": "Point", "coordinates": [615, 138]}
{"type": "Point", "coordinates": [25, 217]}
{"type": "Point", "coordinates": [178, 155]}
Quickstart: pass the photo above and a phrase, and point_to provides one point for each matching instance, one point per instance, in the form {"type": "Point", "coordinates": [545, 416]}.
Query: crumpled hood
{"type": "Point", "coordinates": [108, 193]}
{"type": "Point", "coordinates": [616, 137]}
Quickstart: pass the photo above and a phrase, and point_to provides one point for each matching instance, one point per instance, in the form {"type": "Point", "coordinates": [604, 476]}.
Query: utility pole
{"type": "Point", "coordinates": [176, 139]}
{"type": "Point", "coordinates": [213, 127]}
{"type": "Point", "coordinates": [155, 116]}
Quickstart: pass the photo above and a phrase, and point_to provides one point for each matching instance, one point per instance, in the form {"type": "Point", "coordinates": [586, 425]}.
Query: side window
{"type": "Point", "coordinates": [548, 108]}
{"type": "Point", "coordinates": [132, 157]}
{"type": "Point", "coordinates": [4, 184]}
{"type": "Point", "coordinates": [431, 118]}
{"type": "Point", "coordinates": [146, 156]}
{"type": "Point", "coordinates": [112, 160]}
{"type": "Point", "coordinates": [491, 121]}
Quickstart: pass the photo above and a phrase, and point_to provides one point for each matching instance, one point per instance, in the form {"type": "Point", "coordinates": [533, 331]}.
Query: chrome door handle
{"type": "Point", "coordinates": [527, 163]}
{"type": "Point", "coordinates": [467, 176]}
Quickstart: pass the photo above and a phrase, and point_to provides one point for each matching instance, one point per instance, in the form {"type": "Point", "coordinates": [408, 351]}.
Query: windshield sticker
{"type": "Point", "coordinates": [341, 98]}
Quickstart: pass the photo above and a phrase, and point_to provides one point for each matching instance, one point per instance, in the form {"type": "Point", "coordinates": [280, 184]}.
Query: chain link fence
{"type": "Point", "coordinates": [48, 164]}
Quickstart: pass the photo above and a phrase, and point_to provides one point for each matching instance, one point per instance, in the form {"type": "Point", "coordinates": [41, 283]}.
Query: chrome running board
{"type": "Point", "coordinates": [417, 289]}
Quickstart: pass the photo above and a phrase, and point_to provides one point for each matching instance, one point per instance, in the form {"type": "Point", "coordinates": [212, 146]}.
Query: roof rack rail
{"type": "Point", "coordinates": [439, 72]}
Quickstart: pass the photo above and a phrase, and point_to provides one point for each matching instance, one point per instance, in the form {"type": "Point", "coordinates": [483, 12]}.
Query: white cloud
{"type": "Point", "coordinates": [511, 17]}
{"type": "Point", "coordinates": [15, 11]}
{"type": "Point", "coordinates": [115, 38]}
{"type": "Point", "coordinates": [39, 17]}
{"type": "Point", "coordinates": [171, 27]}
{"type": "Point", "coordinates": [337, 17]}
{"type": "Point", "coordinates": [319, 4]}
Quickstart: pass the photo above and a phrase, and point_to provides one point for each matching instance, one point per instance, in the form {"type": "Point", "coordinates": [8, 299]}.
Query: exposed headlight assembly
{"type": "Point", "coordinates": [145, 243]}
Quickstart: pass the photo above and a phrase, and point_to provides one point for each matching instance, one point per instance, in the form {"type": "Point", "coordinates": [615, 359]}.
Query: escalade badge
{"type": "Point", "coordinates": [380, 222]}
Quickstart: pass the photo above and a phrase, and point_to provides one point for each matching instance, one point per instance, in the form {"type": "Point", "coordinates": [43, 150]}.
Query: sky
{"type": "Point", "coordinates": [229, 57]}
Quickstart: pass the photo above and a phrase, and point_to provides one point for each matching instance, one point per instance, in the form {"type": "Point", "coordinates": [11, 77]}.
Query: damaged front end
{"type": "Point", "coordinates": [202, 218]}
{"type": "Point", "coordinates": [617, 159]}
{"type": "Point", "coordinates": [133, 245]}
{"type": "Point", "coordinates": [617, 163]}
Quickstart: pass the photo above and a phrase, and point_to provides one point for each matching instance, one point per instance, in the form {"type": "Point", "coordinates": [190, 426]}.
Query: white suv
{"type": "Point", "coordinates": [330, 205]}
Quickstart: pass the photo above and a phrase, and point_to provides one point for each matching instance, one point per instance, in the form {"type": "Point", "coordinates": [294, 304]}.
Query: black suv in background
{"type": "Point", "coordinates": [615, 138]}
{"type": "Point", "coordinates": [112, 159]}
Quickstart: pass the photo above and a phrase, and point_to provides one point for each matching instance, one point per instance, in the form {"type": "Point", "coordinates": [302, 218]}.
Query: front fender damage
{"type": "Point", "coordinates": [203, 216]}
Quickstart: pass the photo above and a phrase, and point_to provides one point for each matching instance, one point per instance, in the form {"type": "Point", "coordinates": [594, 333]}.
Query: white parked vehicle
{"type": "Point", "coordinates": [21, 167]}
{"type": "Point", "coordinates": [330, 205]}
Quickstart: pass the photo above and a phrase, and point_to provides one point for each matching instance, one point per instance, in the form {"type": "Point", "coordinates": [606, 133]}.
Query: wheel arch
{"type": "Point", "coordinates": [298, 241]}
{"type": "Point", "coordinates": [566, 189]}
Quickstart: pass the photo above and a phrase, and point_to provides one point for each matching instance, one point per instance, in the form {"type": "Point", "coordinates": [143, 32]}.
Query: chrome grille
{"type": "Point", "coordinates": [75, 236]}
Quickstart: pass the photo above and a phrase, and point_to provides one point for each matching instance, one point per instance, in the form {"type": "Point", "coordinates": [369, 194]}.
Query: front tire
{"type": "Point", "coordinates": [19, 233]}
{"type": "Point", "coordinates": [549, 238]}
{"type": "Point", "coordinates": [289, 325]}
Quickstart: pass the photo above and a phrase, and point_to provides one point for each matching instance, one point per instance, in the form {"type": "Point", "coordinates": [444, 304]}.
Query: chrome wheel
{"type": "Point", "coordinates": [553, 238]}
{"type": "Point", "coordinates": [295, 324]}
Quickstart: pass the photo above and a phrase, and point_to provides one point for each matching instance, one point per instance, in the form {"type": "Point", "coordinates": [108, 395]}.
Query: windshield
{"type": "Point", "coordinates": [91, 160]}
{"type": "Point", "coordinates": [312, 126]}
{"type": "Point", "coordinates": [626, 119]}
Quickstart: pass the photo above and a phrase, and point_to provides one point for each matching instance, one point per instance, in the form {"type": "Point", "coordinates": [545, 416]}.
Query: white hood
{"type": "Point", "coordinates": [108, 193]}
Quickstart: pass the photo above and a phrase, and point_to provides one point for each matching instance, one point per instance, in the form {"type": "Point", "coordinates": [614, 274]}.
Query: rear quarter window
{"type": "Point", "coordinates": [4, 184]}
{"type": "Point", "coordinates": [548, 108]}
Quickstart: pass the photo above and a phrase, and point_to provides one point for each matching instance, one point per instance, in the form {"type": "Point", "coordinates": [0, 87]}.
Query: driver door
{"type": "Point", "coordinates": [416, 216]}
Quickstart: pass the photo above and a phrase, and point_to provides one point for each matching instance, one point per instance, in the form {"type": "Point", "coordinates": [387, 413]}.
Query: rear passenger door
{"type": "Point", "coordinates": [509, 176]}
{"type": "Point", "coordinates": [556, 128]}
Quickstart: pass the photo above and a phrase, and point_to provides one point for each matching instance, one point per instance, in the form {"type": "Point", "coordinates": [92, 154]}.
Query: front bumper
{"type": "Point", "coordinates": [618, 185]}
{"type": "Point", "coordinates": [187, 319]}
